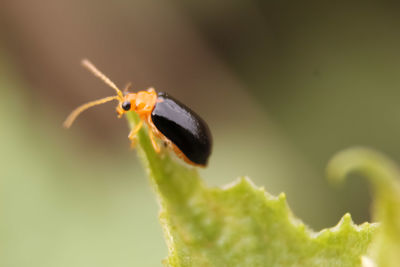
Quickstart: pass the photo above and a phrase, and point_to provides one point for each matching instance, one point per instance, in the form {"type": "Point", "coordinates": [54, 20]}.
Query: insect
{"type": "Point", "coordinates": [181, 129]}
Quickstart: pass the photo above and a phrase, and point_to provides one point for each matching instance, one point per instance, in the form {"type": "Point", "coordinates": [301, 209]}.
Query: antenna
{"type": "Point", "coordinates": [92, 68]}
{"type": "Point", "coordinates": [75, 113]}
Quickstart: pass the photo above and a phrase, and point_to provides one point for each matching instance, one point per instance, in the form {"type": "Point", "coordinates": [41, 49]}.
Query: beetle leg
{"type": "Point", "coordinates": [154, 142]}
{"type": "Point", "coordinates": [135, 130]}
{"type": "Point", "coordinates": [120, 111]}
{"type": "Point", "coordinates": [133, 133]}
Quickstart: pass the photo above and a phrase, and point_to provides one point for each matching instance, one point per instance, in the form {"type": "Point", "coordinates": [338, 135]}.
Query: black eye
{"type": "Point", "coordinates": [126, 105]}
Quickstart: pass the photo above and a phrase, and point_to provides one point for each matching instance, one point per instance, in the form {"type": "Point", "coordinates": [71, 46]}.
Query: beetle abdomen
{"type": "Point", "coordinates": [182, 127]}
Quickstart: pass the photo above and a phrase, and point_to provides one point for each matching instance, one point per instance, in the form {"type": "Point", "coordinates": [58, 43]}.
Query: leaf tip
{"type": "Point", "coordinates": [282, 199]}
{"type": "Point", "coordinates": [347, 220]}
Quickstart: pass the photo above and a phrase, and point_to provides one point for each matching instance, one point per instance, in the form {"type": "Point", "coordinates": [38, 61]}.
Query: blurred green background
{"type": "Point", "coordinates": [283, 84]}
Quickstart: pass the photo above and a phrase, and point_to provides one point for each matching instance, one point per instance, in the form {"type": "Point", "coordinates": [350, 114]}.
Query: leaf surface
{"type": "Point", "coordinates": [241, 224]}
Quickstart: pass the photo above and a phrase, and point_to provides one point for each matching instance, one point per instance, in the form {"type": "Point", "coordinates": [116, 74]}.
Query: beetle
{"type": "Point", "coordinates": [180, 128]}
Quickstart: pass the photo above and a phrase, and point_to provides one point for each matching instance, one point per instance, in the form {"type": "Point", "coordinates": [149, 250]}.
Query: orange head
{"type": "Point", "coordinates": [142, 102]}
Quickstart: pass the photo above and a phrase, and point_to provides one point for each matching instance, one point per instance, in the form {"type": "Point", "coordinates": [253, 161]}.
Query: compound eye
{"type": "Point", "coordinates": [126, 105]}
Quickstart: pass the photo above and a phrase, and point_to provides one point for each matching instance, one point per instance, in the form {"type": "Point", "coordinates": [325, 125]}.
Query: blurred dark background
{"type": "Point", "coordinates": [283, 84]}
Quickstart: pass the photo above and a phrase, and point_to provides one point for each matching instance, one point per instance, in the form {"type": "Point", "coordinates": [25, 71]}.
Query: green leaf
{"type": "Point", "coordinates": [384, 175]}
{"type": "Point", "coordinates": [240, 225]}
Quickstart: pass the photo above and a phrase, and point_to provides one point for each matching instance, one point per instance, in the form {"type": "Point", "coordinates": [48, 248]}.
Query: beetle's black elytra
{"type": "Point", "coordinates": [183, 127]}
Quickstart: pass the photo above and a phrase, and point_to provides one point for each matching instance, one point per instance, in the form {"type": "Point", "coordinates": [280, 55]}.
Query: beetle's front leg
{"type": "Point", "coordinates": [120, 111]}
{"type": "Point", "coordinates": [133, 133]}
